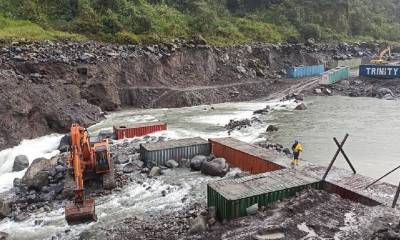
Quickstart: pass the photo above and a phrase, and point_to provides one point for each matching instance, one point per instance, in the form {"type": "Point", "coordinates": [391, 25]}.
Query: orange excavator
{"type": "Point", "coordinates": [85, 159]}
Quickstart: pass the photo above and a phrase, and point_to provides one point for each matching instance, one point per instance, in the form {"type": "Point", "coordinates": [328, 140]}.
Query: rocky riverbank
{"type": "Point", "coordinates": [359, 87]}
{"type": "Point", "coordinates": [46, 86]}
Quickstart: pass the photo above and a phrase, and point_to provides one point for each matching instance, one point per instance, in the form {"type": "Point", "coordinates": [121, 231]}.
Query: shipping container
{"type": "Point", "coordinates": [138, 129]}
{"type": "Point", "coordinates": [335, 75]}
{"type": "Point", "coordinates": [306, 71]}
{"type": "Point", "coordinates": [232, 197]}
{"type": "Point", "coordinates": [380, 71]}
{"type": "Point", "coordinates": [247, 157]}
{"type": "Point", "coordinates": [350, 63]}
{"type": "Point", "coordinates": [161, 152]}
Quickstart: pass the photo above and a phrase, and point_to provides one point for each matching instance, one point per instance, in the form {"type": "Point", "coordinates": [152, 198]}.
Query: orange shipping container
{"type": "Point", "coordinates": [138, 130]}
{"type": "Point", "coordinates": [245, 156]}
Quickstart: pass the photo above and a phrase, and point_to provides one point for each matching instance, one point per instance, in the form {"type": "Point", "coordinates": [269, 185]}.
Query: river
{"type": "Point", "coordinates": [372, 147]}
{"type": "Point", "coordinates": [373, 125]}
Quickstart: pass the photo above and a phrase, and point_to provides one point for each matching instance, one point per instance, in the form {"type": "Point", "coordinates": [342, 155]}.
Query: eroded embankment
{"type": "Point", "coordinates": [47, 86]}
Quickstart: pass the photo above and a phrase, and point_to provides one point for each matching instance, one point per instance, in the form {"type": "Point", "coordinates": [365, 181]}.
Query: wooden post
{"type": "Point", "coordinates": [335, 156]}
{"type": "Point", "coordinates": [396, 197]}
{"type": "Point", "coordinates": [344, 155]}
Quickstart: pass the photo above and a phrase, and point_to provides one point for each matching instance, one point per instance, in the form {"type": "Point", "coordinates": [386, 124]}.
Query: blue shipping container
{"type": "Point", "coordinates": [380, 71]}
{"type": "Point", "coordinates": [306, 71]}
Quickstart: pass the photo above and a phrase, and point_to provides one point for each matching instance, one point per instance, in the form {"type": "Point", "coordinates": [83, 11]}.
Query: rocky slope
{"type": "Point", "coordinates": [46, 86]}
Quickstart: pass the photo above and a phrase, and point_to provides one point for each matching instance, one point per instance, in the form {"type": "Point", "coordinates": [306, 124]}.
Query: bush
{"type": "Point", "coordinates": [110, 23]}
{"type": "Point", "coordinates": [311, 30]}
{"type": "Point", "coordinates": [126, 38]}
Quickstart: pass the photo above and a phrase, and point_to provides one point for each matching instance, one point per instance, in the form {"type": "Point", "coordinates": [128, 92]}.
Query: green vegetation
{"type": "Point", "coordinates": [218, 21]}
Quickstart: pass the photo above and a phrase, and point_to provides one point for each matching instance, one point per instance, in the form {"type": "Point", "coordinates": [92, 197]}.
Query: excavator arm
{"type": "Point", "coordinates": [381, 60]}
{"type": "Point", "coordinates": [81, 210]}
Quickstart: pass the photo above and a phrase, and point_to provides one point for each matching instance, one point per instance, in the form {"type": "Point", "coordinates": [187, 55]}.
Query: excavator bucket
{"type": "Point", "coordinates": [80, 213]}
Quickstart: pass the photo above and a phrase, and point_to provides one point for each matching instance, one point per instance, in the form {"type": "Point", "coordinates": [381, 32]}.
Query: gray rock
{"type": "Point", "coordinates": [241, 69]}
{"type": "Point", "coordinates": [40, 180]}
{"type": "Point", "coordinates": [301, 107]}
{"type": "Point", "coordinates": [64, 143]}
{"type": "Point", "coordinates": [17, 182]}
{"type": "Point", "coordinates": [197, 161]}
{"type": "Point", "coordinates": [382, 92]}
{"type": "Point", "coordinates": [38, 165]}
{"type": "Point", "coordinates": [318, 91]}
{"type": "Point", "coordinates": [60, 168]}
{"type": "Point", "coordinates": [252, 210]}
{"type": "Point", "coordinates": [327, 91]}
{"type": "Point", "coordinates": [216, 167]}
{"type": "Point", "coordinates": [86, 57]}
{"type": "Point", "coordinates": [138, 164]}
{"type": "Point", "coordinates": [286, 151]}
{"type": "Point", "coordinates": [121, 159]}
{"type": "Point", "coordinates": [20, 163]}
{"type": "Point", "coordinates": [5, 207]}
{"type": "Point", "coordinates": [21, 217]}
{"type": "Point", "coordinates": [172, 164]}
{"type": "Point", "coordinates": [199, 225]}
{"type": "Point", "coordinates": [129, 168]}
{"type": "Point", "coordinates": [272, 128]}
{"type": "Point", "coordinates": [3, 236]}
{"type": "Point", "coordinates": [155, 171]}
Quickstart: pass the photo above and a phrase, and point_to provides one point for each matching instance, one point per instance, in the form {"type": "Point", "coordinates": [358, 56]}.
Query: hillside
{"type": "Point", "coordinates": [218, 21]}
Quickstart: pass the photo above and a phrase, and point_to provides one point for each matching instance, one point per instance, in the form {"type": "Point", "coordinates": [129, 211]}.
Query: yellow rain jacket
{"type": "Point", "coordinates": [299, 148]}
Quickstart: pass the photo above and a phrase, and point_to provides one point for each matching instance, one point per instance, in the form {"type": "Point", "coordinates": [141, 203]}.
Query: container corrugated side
{"type": "Point", "coordinates": [246, 161]}
{"type": "Point", "coordinates": [380, 71]}
{"type": "Point", "coordinates": [305, 71]}
{"type": "Point", "coordinates": [230, 208]}
{"type": "Point", "coordinates": [161, 156]}
{"type": "Point", "coordinates": [138, 130]}
{"type": "Point", "coordinates": [335, 75]}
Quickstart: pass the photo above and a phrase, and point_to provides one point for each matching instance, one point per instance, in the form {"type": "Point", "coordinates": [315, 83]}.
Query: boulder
{"type": "Point", "coordinates": [252, 210]}
{"type": "Point", "coordinates": [216, 167]}
{"type": "Point", "coordinates": [138, 164]}
{"type": "Point", "coordinates": [327, 91]}
{"type": "Point", "coordinates": [155, 171]}
{"type": "Point", "coordinates": [17, 182]}
{"type": "Point", "coordinates": [5, 206]}
{"type": "Point", "coordinates": [318, 91]}
{"type": "Point", "coordinates": [172, 164]}
{"type": "Point", "coordinates": [382, 92]}
{"type": "Point", "coordinates": [286, 151]}
{"type": "Point", "coordinates": [272, 128]}
{"type": "Point", "coordinates": [121, 159]}
{"type": "Point", "coordinates": [20, 163]}
{"type": "Point", "coordinates": [38, 165]}
{"type": "Point", "coordinates": [199, 225]}
{"type": "Point", "coordinates": [301, 107]}
{"type": "Point", "coordinates": [129, 168]}
{"type": "Point", "coordinates": [197, 161]}
{"type": "Point", "coordinates": [64, 143]}
{"type": "Point", "coordinates": [40, 180]}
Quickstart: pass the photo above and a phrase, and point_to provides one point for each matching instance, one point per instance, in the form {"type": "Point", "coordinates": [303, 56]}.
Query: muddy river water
{"type": "Point", "coordinates": [373, 147]}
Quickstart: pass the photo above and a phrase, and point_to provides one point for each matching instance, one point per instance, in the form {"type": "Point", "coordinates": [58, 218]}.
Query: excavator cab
{"type": "Point", "coordinates": [102, 159]}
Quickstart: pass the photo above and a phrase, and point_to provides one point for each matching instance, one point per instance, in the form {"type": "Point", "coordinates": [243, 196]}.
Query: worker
{"type": "Point", "coordinates": [297, 148]}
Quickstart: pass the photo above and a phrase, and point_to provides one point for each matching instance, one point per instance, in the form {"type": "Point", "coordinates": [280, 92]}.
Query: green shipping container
{"type": "Point", "coordinates": [350, 63]}
{"type": "Point", "coordinates": [335, 75]}
{"type": "Point", "coordinates": [232, 197]}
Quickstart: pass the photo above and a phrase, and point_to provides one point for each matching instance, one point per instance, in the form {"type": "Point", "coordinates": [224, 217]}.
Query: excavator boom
{"type": "Point", "coordinates": [81, 210]}
{"type": "Point", "coordinates": [381, 60]}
